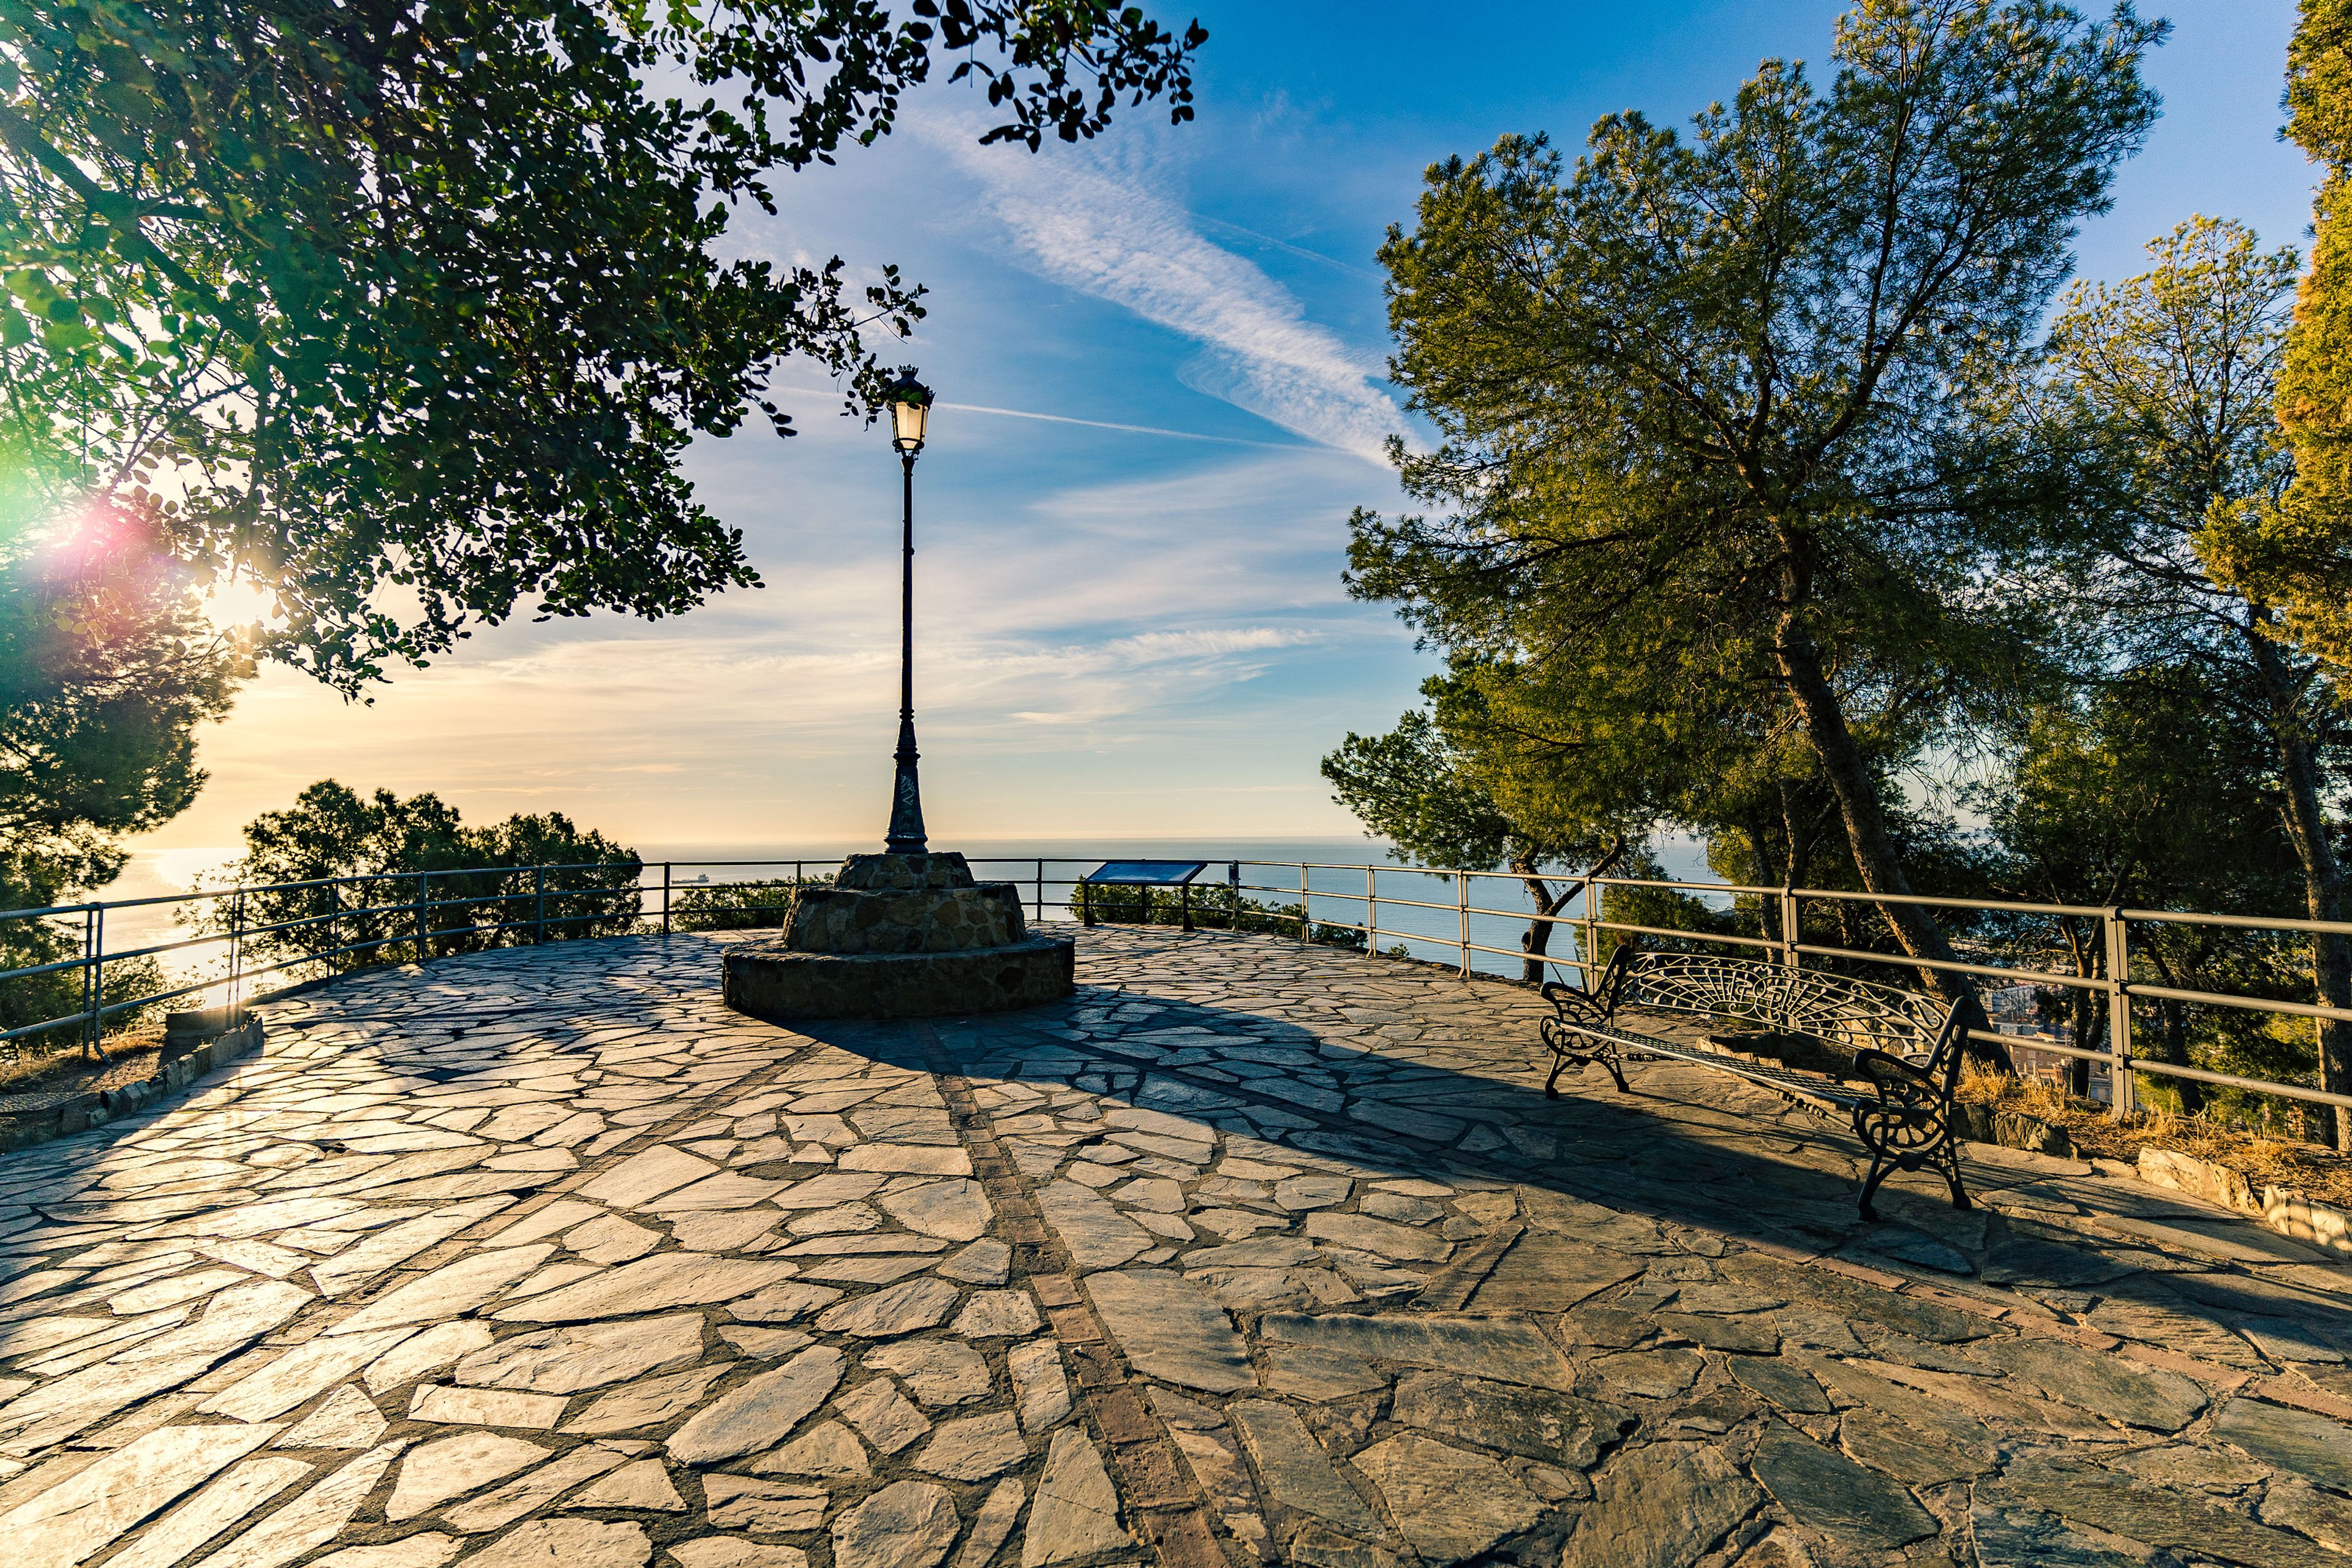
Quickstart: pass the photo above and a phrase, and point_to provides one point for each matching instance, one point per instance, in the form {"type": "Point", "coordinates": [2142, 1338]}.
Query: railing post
{"type": "Point", "coordinates": [666, 867]}
{"type": "Point", "coordinates": [1592, 932]}
{"type": "Point", "coordinates": [539, 905]}
{"type": "Point", "coordinates": [1234, 891]}
{"type": "Point", "coordinates": [90, 969]}
{"type": "Point", "coordinates": [1462, 908]}
{"type": "Point", "coordinates": [236, 957]}
{"type": "Point", "coordinates": [1791, 933]}
{"type": "Point", "coordinates": [1306, 906]}
{"type": "Point", "coordinates": [2121, 1089]}
{"type": "Point", "coordinates": [1184, 904]}
{"type": "Point", "coordinates": [1372, 911]}
{"type": "Point", "coordinates": [335, 927]}
{"type": "Point", "coordinates": [1041, 889]}
{"type": "Point", "coordinates": [423, 927]}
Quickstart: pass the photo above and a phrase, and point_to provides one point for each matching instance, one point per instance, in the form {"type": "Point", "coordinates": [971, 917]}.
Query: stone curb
{"type": "Point", "coordinates": [80, 1112]}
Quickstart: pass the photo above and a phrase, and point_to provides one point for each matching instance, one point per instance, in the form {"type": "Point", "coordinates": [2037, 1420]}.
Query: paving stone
{"type": "Point", "coordinates": [609, 1238]}
{"type": "Point", "coordinates": [485, 1407]}
{"type": "Point", "coordinates": [666, 1279]}
{"type": "Point", "coordinates": [347, 1419]}
{"type": "Point", "coordinates": [885, 1415]}
{"type": "Point", "coordinates": [312, 1519]}
{"type": "Point", "coordinates": [568, 1544]}
{"type": "Point", "coordinates": [746, 1502]}
{"type": "Point", "coordinates": [1096, 1235]}
{"type": "Point", "coordinates": [1041, 1391]}
{"type": "Point", "coordinates": [2085, 1494]}
{"type": "Point", "coordinates": [2295, 1441]}
{"type": "Point", "coordinates": [569, 1360]}
{"type": "Point", "coordinates": [429, 1550]}
{"type": "Point", "coordinates": [952, 1210]}
{"type": "Point", "coordinates": [763, 1344]}
{"type": "Point", "coordinates": [997, 1314]}
{"type": "Point", "coordinates": [653, 1402]}
{"type": "Point", "coordinates": [925, 1158]}
{"type": "Point", "coordinates": [1783, 1382]}
{"type": "Point", "coordinates": [734, 1551]}
{"type": "Point", "coordinates": [974, 1449]}
{"type": "Point", "coordinates": [643, 1177]}
{"type": "Point", "coordinates": [1450, 1504]}
{"type": "Point", "coordinates": [644, 1485]}
{"type": "Point", "coordinates": [1652, 1374]}
{"type": "Point", "coordinates": [2323, 1516]}
{"type": "Point", "coordinates": [908, 1524]}
{"type": "Point", "coordinates": [828, 1448]}
{"type": "Point", "coordinates": [1305, 1372]}
{"type": "Point", "coordinates": [939, 1372]}
{"type": "Point", "coordinates": [1663, 1505]}
{"type": "Point", "coordinates": [900, 1310]}
{"type": "Point", "coordinates": [2124, 1392]}
{"type": "Point", "coordinates": [1557, 1428]}
{"type": "Point", "coordinates": [450, 1291]}
{"type": "Point", "coordinates": [533, 1492]}
{"type": "Point", "coordinates": [1824, 1489]}
{"type": "Point", "coordinates": [985, 1262]}
{"type": "Point", "coordinates": [993, 1525]}
{"type": "Point", "coordinates": [1508, 1350]}
{"type": "Point", "coordinates": [75, 1518]}
{"type": "Point", "coordinates": [1172, 1329]}
{"type": "Point", "coordinates": [782, 1303]}
{"type": "Point", "coordinates": [421, 1354]}
{"type": "Point", "coordinates": [759, 1413]}
{"type": "Point", "coordinates": [1544, 1272]}
{"type": "Point", "coordinates": [1076, 1513]}
{"type": "Point", "coordinates": [1377, 1236]}
{"type": "Point", "coordinates": [240, 1490]}
{"type": "Point", "coordinates": [1292, 1467]}
{"type": "Point", "coordinates": [435, 1472]}
{"type": "Point", "coordinates": [2026, 1538]}
{"type": "Point", "coordinates": [1917, 1460]}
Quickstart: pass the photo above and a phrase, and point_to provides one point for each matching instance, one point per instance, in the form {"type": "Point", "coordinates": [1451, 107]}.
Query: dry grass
{"type": "Point", "coordinates": [2265, 1161]}
{"type": "Point", "coordinates": [129, 1058]}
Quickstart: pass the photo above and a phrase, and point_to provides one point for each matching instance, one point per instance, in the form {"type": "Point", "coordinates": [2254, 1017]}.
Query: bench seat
{"type": "Point", "coordinates": [1905, 1046]}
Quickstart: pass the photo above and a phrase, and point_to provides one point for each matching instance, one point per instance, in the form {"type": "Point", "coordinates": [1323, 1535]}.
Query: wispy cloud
{"type": "Point", "coordinates": [1104, 228]}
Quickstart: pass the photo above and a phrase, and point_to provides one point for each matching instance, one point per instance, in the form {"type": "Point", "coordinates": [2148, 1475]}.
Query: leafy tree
{"type": "Point", "coordinates": [364, 855]}
{"type": "Point", "coordinates": [1445, 804]}
{"type": "Point", "coordinates": [2167, 385]}
{"type": "Point", "coordinates": [2293, 551]}
{"type": "Point", "coordinates": [106, 667]}
{"type": "Point", "coordinates": [407, 312]}
{"type": "Point", "coordinates": [2135, 791]}
{"type": "Point", "coordinates": [1711, 409]}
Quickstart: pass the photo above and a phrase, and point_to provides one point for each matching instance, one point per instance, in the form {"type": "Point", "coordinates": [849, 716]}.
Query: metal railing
{"type": "Point", "coordinates": [416, 923]}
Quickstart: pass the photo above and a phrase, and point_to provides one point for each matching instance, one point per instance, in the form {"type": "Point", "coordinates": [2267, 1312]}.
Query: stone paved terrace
{"type": "Point", "coordinates": [1250, 1253]}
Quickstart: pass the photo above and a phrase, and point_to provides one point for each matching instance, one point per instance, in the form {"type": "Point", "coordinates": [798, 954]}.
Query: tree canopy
{"type": "Point", "coordinates": [1711, 408]}
{"type": "Point", "coordinates": [406, 312]}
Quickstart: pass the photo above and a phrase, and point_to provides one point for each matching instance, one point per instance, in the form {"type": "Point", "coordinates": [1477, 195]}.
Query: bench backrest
{"type": "Point", "coordinates": [1845, 1013]}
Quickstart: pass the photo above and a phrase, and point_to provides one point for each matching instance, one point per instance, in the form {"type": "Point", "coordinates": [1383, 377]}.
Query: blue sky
{"type": "Point", "coordinates": [1130, 620]}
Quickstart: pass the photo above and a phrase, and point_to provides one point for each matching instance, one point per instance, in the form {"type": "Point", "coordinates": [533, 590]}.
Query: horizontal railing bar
{"type": "Point", "coordinates": [2250, 922]}
{"type": "Point", "coordinates": [1688, 935]}
{"type": "Point", "coordinates": [2251, 1003]}
{"type": "Point", "coordinates": [1937, 903]}
{"type": "Point", "coordinates": [2021, 976]}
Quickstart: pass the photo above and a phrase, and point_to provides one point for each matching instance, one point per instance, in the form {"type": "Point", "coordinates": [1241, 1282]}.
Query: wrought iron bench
{"type": "Point", "coordinates": [1904, 1048]}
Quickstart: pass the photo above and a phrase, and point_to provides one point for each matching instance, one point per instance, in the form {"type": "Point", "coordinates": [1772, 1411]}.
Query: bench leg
{"type": "Point", "coordinates": [1556, 1037]}
{"type": "Point", "coordinates": [1950, 1166]}
{"type": "Point", "coordinates": [1880, 1169]}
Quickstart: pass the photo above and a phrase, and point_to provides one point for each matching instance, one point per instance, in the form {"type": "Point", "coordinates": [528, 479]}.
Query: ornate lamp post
{"type": "Point", "coordinates": [911, 408]}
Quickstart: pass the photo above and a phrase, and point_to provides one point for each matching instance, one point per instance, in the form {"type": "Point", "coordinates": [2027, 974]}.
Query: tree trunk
{"type": "Point", "coordinates": [2172, 1038]}
{"type": "Point", "coordinates": [2082, 1008]}
{"type": "Point", "coordinates": [1865, 825]}
{"type": "Point", "coordinates": [2323, 875]}
{"type": "Point", "coordinates": [1536, 941]}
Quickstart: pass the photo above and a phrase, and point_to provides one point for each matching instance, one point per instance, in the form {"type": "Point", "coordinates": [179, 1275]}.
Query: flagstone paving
{"type": "Point", "coordinates": [1248, 1254]}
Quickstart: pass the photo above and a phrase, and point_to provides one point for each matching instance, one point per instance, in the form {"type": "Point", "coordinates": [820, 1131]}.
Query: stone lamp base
{"type": "Point", "coordinates": [901, 936]}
